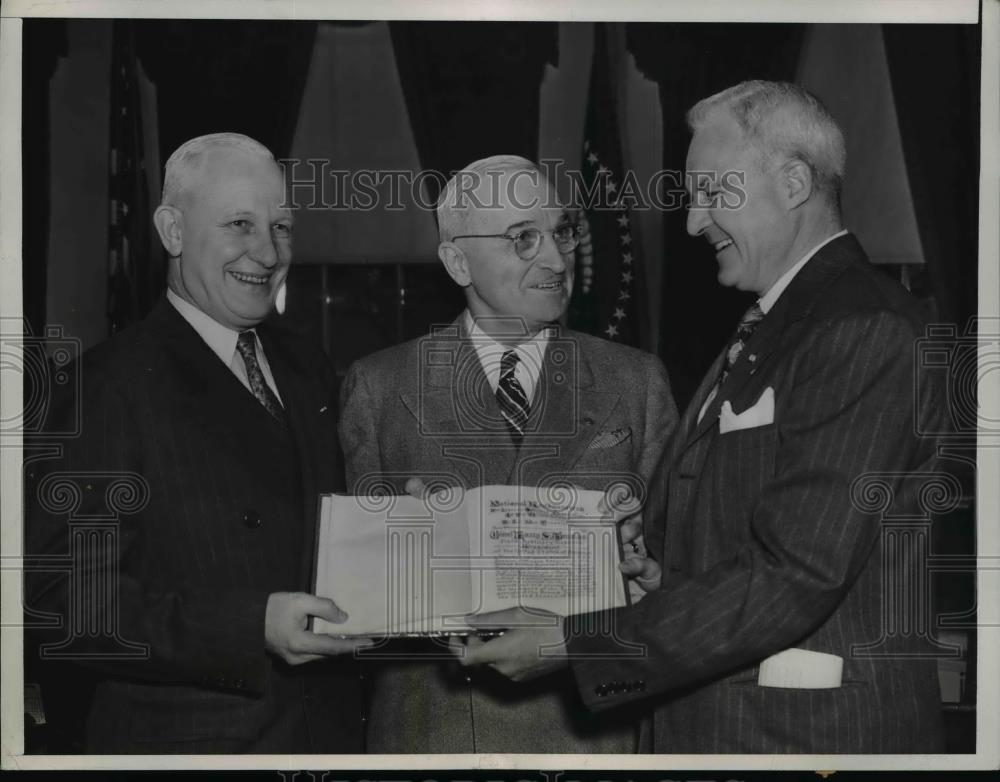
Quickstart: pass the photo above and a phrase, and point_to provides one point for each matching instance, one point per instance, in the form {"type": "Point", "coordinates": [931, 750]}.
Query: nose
{"type": "Point", "coordinates": [549, 255]}
{"type": "Point", "coordinates": [265, 251]}
{"type": "Point", "coordinates": [697, 220]}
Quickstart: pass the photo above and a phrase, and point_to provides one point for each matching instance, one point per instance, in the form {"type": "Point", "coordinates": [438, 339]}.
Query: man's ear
{"type": "Point", "coordinates": [796, 182]}
{"type": "Point", "coordinates": [167, 220]}
{"type": "Point", "coordinates": [455, 263]}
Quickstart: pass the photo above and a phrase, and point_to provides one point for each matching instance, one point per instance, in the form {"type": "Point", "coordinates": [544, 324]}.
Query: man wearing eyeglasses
{"type": "Point", "coordinates": [503, 395]}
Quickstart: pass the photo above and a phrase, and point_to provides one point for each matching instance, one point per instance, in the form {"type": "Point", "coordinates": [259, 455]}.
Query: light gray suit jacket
{"type": "Point", "coordinates": [601, 413]}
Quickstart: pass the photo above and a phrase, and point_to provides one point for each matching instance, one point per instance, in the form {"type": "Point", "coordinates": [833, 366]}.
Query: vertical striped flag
{"type": "Point", "coordinates": [604, 299]}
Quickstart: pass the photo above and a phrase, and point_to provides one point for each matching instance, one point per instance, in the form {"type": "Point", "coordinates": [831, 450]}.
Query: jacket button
{"type": "Point", "coordinates": [641, 685]}
{"type": "Point", "coordinates": [251, 519]}
{"type": "Point", "coordinates": [238, 684]}
{"type": "Point", "coordinates": [601, 690]}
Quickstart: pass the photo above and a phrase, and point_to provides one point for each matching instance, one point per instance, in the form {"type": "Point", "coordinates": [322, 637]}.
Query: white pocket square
{"type": "Point", "coordinates": [759, 414]}
{"type": "Point", "coordinates": [801, 669]}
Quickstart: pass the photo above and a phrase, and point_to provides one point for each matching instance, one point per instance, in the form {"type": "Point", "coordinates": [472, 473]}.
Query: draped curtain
{"type": "Point", "coordinates": [935, 84]}
{"type": "Point", "coordinates": [44, 42]}
{"type": "Point", "coordinates": [472, 89]}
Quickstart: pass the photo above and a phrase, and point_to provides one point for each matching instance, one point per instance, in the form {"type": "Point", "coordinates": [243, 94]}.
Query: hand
{"type": "Point", "coordinates": [531, 645]}
{"type": "Point", "coordinates": [286, 620]}
{"type": "Point", "coordinates": [643, 572]}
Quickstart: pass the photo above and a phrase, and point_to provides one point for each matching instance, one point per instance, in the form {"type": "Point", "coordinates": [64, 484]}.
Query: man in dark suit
{"type": "Point", "coordinates": [206, 436]}
{"type": "Point", "coordinates": [768, 633]}
{"type": "Point", "coordinates": [501, 396]}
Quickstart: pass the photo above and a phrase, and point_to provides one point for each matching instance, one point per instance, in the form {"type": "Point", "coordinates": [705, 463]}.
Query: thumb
{"type": "Point", "coordinates": [416, 488]}
{"type": "Point", "coordinates": [326, 609]}
{"type": "Point", "coordinates": [640, 568]}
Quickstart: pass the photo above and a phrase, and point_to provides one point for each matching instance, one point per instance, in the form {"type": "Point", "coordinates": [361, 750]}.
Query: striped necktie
{"type": "Point", "coordinates": [511, 397]}
{"type": "Point", "coordinates": [748, 323]}
{"type": "Point", "coordinates": [246, 346]}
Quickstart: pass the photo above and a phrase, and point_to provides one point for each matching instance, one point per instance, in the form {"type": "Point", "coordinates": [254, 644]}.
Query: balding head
{"type": "Point", "coordinates": [782, 120]}
{"type": "Point", "coordinates": [190, 161]}
{"type": "Point", "coordinates": [490, 183]}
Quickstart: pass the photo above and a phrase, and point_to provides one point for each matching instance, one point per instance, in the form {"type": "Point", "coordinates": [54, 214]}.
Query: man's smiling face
{"type": "Point", "coordinates": [236, 238]}
{"type": "Point", "coordinates": [751, 239]}
{"type": "Point", "coordinates": [503, 285]}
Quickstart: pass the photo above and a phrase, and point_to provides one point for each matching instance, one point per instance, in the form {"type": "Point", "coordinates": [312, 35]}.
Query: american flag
{"type": "Point", "coordinates": [604, 300]}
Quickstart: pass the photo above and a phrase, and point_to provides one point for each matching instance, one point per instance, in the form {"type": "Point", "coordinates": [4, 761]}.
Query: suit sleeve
{"type": "Point", "coordinates": [358, 434]}
{"type": "Point", "coordinates": [850, 412]}
{"type": "Point", "coordinates": [660, 425]}
{"type": "Point", "coordinates": [114, 621]}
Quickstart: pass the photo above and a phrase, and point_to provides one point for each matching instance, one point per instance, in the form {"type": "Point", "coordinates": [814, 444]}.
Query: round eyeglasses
{"type": "Point", "coordinates": [528, 241]}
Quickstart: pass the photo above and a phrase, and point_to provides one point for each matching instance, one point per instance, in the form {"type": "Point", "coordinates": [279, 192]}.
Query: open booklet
{"type": "Point", "coordinates": [399, 565]}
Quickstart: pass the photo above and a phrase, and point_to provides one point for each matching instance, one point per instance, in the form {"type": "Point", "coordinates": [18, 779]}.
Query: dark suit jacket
{"type": "Point", "coordinates": [772, 544]}
{"type": "Point", "coordinates": [222, 514]}
{"type": "Point", "coordinates": [601, 413]}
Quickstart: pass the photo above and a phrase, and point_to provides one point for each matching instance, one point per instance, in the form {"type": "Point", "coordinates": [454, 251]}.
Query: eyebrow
{"type": "Point", "coordinates": [239, 213]}
{"type": "Point", "coordinates": [521, 224]}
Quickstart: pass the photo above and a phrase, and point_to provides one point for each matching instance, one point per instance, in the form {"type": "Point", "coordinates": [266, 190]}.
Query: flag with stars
{"type": "Point", "coordinates": [136, 266]}
{"type": "Point", "coordinates": [604, 292]}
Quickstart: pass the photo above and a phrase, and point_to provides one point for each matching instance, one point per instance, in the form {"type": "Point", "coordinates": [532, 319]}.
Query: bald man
{"type": "Point", "coordinates": [222, 427]}
{"type": "Point", "coordinates": [501, 396]}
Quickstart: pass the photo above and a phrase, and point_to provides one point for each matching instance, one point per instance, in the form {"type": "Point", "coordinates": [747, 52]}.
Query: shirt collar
{"type": "Point", "coordinates": [768, 299]}
{"type": "Point", "coordinates": [531, 353]}
{"type": "Point", "coordinates": [221, 339]}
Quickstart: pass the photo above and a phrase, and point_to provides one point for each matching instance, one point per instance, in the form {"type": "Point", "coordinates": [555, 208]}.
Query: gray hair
{"type": "Point", "coordinates": [454, 205]}
{"type": "Point", "coordinates": [182, 166]}
{"type": "Point", "coordinates": [780, 118]}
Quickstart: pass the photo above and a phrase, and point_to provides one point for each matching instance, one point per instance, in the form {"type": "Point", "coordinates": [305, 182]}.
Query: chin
{"type": "Point", "coordinates": [729, 276]}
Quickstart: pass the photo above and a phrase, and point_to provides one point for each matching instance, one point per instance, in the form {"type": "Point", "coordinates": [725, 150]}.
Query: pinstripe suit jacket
{"type": "Point", "coordinates": [229, 520]}
{"type": "Point", "coordinates": [770, 543]}
{"type": "Point", "coordinates": [602, 412]}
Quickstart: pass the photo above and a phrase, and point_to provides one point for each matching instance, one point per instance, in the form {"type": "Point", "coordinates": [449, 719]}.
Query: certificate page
{"type": "Point", "coordinates": [548, 548]}
{"type": "Point", "coordinates": [397, 565]}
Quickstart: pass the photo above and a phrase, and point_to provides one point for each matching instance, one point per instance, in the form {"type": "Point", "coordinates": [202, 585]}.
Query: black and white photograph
{"type": "Point", "coordinates": [606, 386]}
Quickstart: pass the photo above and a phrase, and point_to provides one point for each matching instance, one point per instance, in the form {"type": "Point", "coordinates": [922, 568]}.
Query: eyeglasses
{"type": "Point", "coordinates": [528, 241]}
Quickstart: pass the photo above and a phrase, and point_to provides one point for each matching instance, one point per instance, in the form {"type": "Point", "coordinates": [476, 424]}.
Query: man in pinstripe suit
{"type": "Point", "coordinates": [224, 427]}
{"type": "Point", "coordinates": [768, 632]}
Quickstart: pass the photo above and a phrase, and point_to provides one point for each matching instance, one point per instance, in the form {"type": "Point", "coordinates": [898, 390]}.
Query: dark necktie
{"type": "Point", "coordinates": [511, 397]}
{"type": "Point", "coordinates": [246, 346]}
{"type": "Point", "coordinates": [748, 323]}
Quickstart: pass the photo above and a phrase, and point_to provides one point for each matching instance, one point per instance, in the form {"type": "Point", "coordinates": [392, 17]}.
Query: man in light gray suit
{"type": "Point", "coordinates": [502, 396]}
{"type": "Point", "coordinates": [772, 629]}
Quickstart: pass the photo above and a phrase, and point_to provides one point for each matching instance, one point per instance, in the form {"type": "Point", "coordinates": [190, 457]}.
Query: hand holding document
{"type": "Point", "coordinates": [402, 565]}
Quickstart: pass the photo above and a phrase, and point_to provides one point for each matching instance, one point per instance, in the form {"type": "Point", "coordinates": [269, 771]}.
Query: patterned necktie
{"type": "Point", "coordinates": [246, 346]}
{"type": "Point", "coordinates": [748, 323]}
{"type": "Point", "coordinates": [511, 397]}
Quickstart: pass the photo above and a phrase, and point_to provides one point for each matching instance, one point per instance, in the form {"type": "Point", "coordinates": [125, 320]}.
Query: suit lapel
{"type": "Point", "coordinates": [570, 412]}
{"type": "Point", "coordinates": [209, 384]}
{"type": "Point", "coordinates": [454, 406]}
{"type": "Point", "coordinates": [794, 304]}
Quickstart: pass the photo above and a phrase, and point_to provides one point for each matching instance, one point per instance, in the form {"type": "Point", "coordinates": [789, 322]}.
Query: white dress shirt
{"type": "Point", "coordinates": [490, 352]}
{"type": "Point", "coordinates": [222, 340]}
